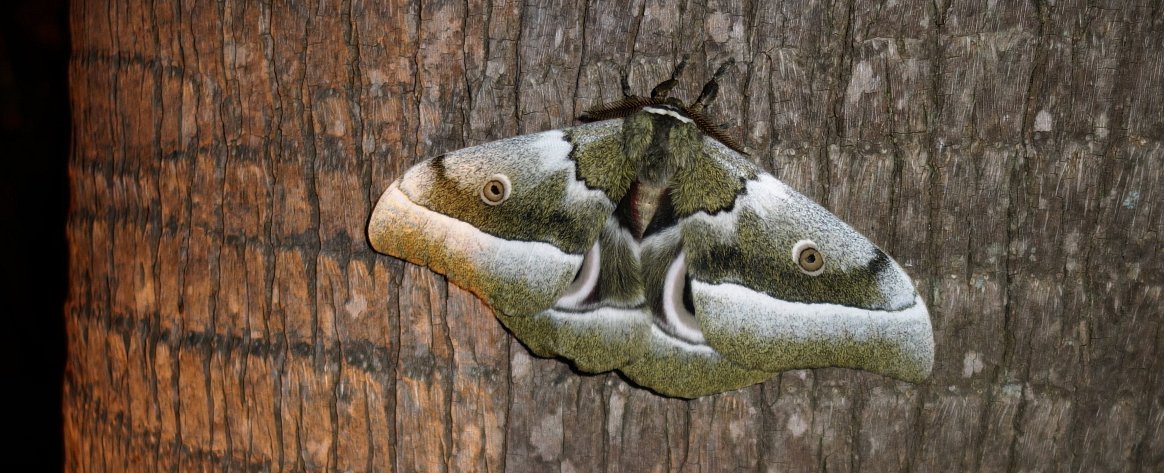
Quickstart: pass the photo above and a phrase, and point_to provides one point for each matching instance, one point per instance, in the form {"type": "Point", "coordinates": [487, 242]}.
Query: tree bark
{"type": "Point", "coordinates": [226, 312]}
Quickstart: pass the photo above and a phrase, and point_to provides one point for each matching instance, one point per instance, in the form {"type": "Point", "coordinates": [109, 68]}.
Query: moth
{"type": "Point", "coordinates": [645, 241]}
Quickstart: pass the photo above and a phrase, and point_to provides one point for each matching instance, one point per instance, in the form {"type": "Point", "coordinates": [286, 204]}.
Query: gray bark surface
{"type": "Point", "coordinates": [226, 312]}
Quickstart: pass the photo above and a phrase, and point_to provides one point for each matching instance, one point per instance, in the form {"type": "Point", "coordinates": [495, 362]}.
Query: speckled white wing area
{"type": "Point", "coordinates": [774, 335]}
{"type": "Point", "coordinates": [500, 271]}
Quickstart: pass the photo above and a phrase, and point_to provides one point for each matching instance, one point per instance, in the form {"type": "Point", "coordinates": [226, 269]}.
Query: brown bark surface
{"type": "Point", "coordinates": [227, 314]}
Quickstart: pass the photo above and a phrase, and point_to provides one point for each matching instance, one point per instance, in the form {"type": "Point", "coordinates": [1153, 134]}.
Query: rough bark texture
{"type": "Point", "coordinates": [227, 314]}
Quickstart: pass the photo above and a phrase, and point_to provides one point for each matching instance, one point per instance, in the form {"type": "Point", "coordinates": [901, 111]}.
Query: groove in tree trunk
{"type": "Point", "coordinates": [226, 312]}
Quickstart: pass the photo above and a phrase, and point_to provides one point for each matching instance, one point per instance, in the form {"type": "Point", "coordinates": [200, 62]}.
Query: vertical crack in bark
{"type": "Point", "coordinates": [686, 453]}
{"type": "Point", "coordinates": [313, 238]}
{"type": "Point", "coordinates": [418, 80]}
{"type": "Point", "coordinates": [227, 124]}
{"type": "Point", "coordinates": [357, 94]}
{"type": "Point", "coordinates": [466, 106]}
{"type": "Point", "coordinates": [932, 272]}
{"type": "Point", "coordinates": [748, 62]}
{"type": "Point", "coordinates": [1018, 194]}
{"type": "Point", "coordinates": [836, 102]}
{"type": "Point", "coordinates": [509, 388]}
{"type": "Point", "coordinates": [607, 389]}
{"type": "Point", "coordinates": [517, 72]}
{"type": "Point", "coordinates": [112, 215]}
{"type": "Point", "coordinates": [483, 437]}
{"type": "Point", "coordinates": [669, 433]}
{"type": "Point", "coordinates": [822, 457]}
{"type": "Point", "coordinates": [355, 48]}
{"type": "Point", "coordinates": [856, 429]}
{"type": "Point", "coordinates": [441, 321]}
{"type": "Point", "coordinates": [813, 402]}
{"type": "Point", "coordinates": [150, 342]}
{"type": "Point", "coordinates": [184, 261]}
{"type": "Point", "coordinates": [635, 30]}
{"type": "Point", "coordinates": [272, 139]}
{"type": "Point", "coordinates": [898, 157]}
{"type": "Point", "coordinates": [582, 54]}
{"type": "Point", "coordinates": [775, 143]}
{"type": "Point", "coordinates": [370, 464]}
{"type": "Point", "coordinates": [397, 368]}
{"type": "Point", "coordinates": [355, 98]}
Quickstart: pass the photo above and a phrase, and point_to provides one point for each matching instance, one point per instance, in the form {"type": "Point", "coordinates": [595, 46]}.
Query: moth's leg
{"type": "Point", "coordinates": [626, 90]}
{"type": "Point", "coordinates": [711, 89]}
{"type": "Point", "coordinates": [660, 91]}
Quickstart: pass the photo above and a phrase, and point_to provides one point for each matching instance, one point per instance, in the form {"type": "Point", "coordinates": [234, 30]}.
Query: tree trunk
{"type": "Point", "coordinates": [226, 312]}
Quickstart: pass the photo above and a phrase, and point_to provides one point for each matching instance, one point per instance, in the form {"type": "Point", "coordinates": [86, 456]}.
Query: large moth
{"type": "Point", "coordinates": [646, 242]}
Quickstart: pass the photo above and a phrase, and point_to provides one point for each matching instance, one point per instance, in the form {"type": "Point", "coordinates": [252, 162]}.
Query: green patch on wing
{"type": "Point", "coordinates": [760, 257]}
{"type": "Point", "coordinates": [676, 370]}
{"type": "Point", "coordinates": [601, 163]}
{"type": "Point", "coordinates": [535, 211]}
{"type": "Point", "coordinates": [706, 185]}
{"type": "Point", "coordinates": [594, 343]}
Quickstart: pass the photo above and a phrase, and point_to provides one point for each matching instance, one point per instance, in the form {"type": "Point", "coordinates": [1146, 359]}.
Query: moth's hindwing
{"type": "Point", "coordinates": [675, 367]}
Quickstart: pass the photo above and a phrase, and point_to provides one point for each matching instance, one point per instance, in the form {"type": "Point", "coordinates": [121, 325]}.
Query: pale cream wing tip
{"type": "Point", "coordinates": [379, 223]}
